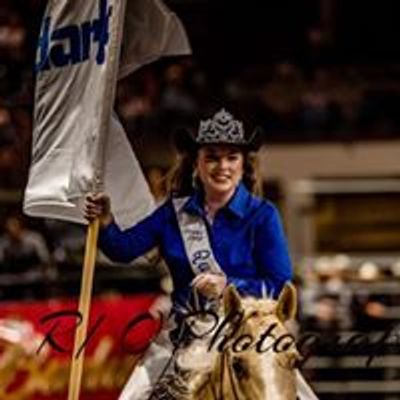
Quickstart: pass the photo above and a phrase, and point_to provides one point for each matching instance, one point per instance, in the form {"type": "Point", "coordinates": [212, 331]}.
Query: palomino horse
{"type": "Point", "coordinates": [254, 359]}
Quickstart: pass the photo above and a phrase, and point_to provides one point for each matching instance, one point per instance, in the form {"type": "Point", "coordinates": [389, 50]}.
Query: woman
{"type": "Point", "coordinates": [219, 234]}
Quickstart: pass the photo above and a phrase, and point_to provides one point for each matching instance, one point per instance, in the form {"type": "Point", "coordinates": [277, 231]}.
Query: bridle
{"type": "Point", "coordinates": [226, 361]}
{"type": "Point", "coordinates": [217, 388]}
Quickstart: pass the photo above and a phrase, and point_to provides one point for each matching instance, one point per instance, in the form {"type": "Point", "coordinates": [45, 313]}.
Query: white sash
{"type": "Point", "coordinates": [195, 238]}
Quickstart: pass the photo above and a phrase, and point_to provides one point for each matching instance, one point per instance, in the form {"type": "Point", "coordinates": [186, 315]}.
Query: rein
{"type": "Point", "coordinates": [226, 362]}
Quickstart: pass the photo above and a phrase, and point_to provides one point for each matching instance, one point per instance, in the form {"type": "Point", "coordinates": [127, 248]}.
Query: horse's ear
{"type": "Point", "coordinates": [287, 303]}
{"type": "Point", "coordinates": [232, 301]}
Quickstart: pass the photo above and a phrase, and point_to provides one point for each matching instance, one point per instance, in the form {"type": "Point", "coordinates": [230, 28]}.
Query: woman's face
{"type": "Point", "coordinates": [220, 168]}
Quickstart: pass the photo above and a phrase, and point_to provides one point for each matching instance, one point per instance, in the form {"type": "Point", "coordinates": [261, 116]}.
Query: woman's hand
{"type": "Point", "coordinates": [98, 205]}
{"type": "Point", "coordinates": [210, 284]}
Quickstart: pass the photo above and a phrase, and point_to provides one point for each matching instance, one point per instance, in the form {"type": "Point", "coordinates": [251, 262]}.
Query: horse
{"type": "Point", "coordinates": [254, 360]}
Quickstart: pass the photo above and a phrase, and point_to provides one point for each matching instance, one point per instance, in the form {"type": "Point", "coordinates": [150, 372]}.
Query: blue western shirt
{"type": "Point", "coordinates": [246, 237]}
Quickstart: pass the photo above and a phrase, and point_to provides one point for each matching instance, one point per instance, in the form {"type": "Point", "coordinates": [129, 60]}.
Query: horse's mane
{"type": "Point", "coordinates": [193, 359]}
{"type": "Point", "coordinates": [171, 387]}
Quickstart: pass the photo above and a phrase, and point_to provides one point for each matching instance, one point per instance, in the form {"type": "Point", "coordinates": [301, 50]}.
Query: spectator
{"type": "Point", "coordinates": [22, 250]}
{"type": "Point", "coordinates": [329, 292]}
{"type": "Point", "coordinates": [12, 53]}
{"type": "Point", "coordinates": [319, 113]}
{"type": "Point", "coordinates": [281, 97]}
{"type": "Point", "coordinates": [370, 313]}
{"type": "Point", "coordinates": [176, 98]}
{"type": "Point", "coordinates": [7, 131]}
{"type": "Point", "coordinates": [68, 241]}
{"type": "Point", "coordinates": [326, 318]}
{"type": "Point", "coordinates": [9, 171]}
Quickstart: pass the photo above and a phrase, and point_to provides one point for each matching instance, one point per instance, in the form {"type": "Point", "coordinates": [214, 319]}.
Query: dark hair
{"type": "Point", "coordinates": [180, 177]}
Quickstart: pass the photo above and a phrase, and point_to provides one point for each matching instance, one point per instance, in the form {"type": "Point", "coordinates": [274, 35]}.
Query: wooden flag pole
{"type": "Point", "coordinates": [84, 310]}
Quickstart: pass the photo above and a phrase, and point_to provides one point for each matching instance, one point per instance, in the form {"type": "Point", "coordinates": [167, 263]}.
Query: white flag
{"type": "Point", "coordinates": [74, 134]}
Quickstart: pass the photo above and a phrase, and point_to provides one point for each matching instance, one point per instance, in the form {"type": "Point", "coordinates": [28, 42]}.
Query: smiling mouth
{"type": "Point", "coordinates": [221, 178]}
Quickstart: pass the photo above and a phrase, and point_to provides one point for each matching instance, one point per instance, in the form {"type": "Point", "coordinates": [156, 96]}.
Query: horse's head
{"type": "Point", "coordinates": [258, 360]}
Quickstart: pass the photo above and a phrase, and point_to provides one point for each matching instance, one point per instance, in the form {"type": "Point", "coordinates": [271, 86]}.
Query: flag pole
{"type": "Point", "coordinates": [77, 359]}
{"type": "Point", "coordinates": [84, 308]}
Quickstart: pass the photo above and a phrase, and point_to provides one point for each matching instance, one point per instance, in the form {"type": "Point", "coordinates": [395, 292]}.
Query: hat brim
{"type": "Point", "coordinates": [185, 142]}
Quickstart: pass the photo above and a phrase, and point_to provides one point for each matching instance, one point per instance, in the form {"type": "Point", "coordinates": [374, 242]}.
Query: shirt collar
{"type": "Point", "coordinates": [237, 205]}
{"type": "Point", "coordinates": [239, 202]}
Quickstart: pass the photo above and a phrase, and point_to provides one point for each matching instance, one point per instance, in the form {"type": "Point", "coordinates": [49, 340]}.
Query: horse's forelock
{"type": "Point", "coordinates": [264, 306]}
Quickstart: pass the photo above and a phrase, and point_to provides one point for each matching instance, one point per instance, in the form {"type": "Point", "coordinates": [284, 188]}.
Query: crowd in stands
{"type": "Point", "coordinates": [343, 294]}
{"type": "Point", "coordinates": [292, 101]}
{"type": "Point", "coordinates": [335, 103]}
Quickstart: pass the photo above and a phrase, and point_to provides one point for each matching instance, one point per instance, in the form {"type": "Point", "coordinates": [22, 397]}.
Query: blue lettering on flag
{"type": "Point", "coordinates": [71, 45]}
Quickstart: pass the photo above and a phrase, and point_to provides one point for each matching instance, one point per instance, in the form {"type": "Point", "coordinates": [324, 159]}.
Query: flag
{"type": "Point", "coordinates": [77, 141]}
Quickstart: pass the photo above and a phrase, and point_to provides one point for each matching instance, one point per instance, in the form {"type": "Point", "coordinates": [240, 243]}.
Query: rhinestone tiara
{"type": "Point", "coordinates": [221, 128]}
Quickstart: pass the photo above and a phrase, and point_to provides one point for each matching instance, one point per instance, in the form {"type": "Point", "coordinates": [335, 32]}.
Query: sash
{"type": "Point", "coordinates": [195, 238]}
{"type": "Point", "coordinates": [197, 245]}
